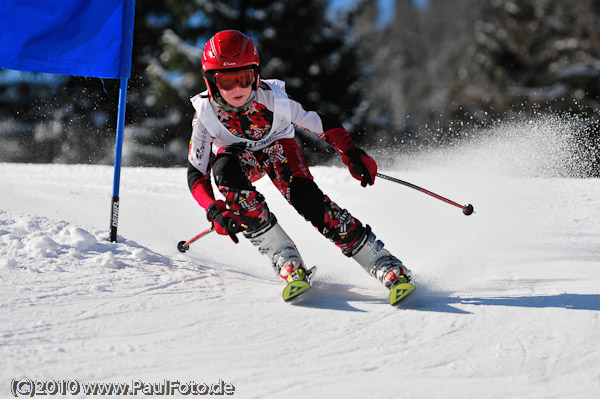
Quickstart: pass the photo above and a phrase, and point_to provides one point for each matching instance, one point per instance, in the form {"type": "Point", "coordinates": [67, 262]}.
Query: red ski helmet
{"type": "Point", "coordinates": [229, 50]}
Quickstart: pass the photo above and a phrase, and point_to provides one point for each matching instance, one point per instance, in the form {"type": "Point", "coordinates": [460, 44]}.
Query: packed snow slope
{"type": "Point", "coordinates": [507, 302]}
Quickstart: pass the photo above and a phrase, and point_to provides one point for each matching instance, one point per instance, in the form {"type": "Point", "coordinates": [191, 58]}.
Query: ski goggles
{"type": "Point", "coordinates": [228, 80]}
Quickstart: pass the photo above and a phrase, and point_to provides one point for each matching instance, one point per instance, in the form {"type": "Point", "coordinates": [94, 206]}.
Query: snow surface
{"type": "Point", "coordinates": [507, 302]}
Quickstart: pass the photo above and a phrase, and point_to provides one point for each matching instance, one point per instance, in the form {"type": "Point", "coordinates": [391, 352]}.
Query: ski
{"type": "Point", "coordinates": [296, 288]}
{"type": "Point", "coordinates": [399, 292]}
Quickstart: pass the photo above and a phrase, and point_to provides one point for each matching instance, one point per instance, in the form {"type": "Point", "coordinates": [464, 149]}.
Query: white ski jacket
{"type": "Point", "coordinates": [272, 115]}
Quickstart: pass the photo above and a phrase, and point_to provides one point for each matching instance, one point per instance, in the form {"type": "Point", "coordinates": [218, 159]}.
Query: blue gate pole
{"type": "Point", "coordinates": [114, 214]}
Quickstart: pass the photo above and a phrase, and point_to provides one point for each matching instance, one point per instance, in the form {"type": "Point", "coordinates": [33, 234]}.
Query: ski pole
{"type": "Point", "coordinates": [467, 209]}
{"type": "Point", "coordinates": [183, 246]}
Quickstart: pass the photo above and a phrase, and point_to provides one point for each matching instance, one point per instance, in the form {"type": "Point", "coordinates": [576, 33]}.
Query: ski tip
{"type": "Point", "coordinates": [294, 289]}
{"type": "Point", "coordinates": [399, 292]}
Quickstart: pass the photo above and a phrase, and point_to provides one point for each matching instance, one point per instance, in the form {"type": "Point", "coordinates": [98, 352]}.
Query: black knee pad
{"type": "Point", "coordinates": [308, 199]}
{"type": "Point", "coordinates": [228, 172]}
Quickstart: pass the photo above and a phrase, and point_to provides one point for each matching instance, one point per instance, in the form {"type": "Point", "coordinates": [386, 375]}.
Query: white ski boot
{"type": "Point", "coordinates": [272, 241]}
{"type": "Point", "coordinates": [380, 263]}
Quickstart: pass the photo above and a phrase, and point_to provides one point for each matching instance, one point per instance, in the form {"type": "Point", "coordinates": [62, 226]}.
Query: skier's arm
{"type": "Point", "coordinates": [216, 211]}
{"type": "Point", "coordinates": [362, 167]}
{"type": "Point", "coordinates": [200, 186]}
{"type": "Point", "coordinates": [198, 174]}
{"type": "Point", "coordinates": [324, 127]}
{"type": "Point", "coordinates": [199, 159]}
{"type": "Point", "coordinates": [335, 135]}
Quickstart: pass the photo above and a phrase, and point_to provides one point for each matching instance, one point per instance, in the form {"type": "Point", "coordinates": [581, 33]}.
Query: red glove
{"type": "Point", "coordinates": [225, 221]}
{"type": "Point", "coordinates": [362, 167]}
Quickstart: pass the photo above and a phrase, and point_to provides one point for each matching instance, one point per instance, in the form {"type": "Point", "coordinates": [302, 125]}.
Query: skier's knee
{"type": "Point", "coordinates": [228, 173]}
{"type": "Point", "coordinates": [308, 199]}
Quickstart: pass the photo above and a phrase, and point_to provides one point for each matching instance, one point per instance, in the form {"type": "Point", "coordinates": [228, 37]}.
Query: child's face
{"type": "Point", "coordinates": [237, 96]}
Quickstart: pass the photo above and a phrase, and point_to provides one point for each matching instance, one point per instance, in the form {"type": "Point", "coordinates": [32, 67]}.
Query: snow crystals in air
{"type": "Point", "coordinates": [506, 305]}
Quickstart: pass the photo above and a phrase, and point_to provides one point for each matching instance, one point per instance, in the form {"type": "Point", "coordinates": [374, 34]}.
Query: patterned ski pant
{"type": "Point", "coordinates": [235, 170]}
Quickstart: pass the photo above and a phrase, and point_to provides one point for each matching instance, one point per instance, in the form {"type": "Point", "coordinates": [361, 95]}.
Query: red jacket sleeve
{"type": "Point", "coordinates": [339, 139]}
{"type": "Point", "coordinates": [200, 186]}
{"type": "Point", "coordinates": [203, 193]}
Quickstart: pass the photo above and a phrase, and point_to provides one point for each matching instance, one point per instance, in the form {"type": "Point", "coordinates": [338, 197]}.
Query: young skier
{"type": "Point", "coordinates": [249, 123]}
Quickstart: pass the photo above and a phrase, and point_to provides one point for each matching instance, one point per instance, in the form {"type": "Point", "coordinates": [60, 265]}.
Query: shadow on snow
{"type": "Point", "coordinates": [566, 301]}
{"type": "Point", "coordinates": [340, 297]}
{"type": "Point", "coordinates": [447, 302]}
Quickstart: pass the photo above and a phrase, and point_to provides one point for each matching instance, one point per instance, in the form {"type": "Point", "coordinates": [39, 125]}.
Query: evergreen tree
{"type": "Point", "coordinates": [414, 62]}
{"type": "Point", "coordinates": [534, 55]}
